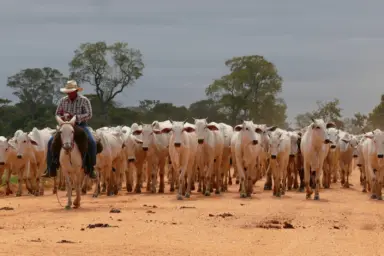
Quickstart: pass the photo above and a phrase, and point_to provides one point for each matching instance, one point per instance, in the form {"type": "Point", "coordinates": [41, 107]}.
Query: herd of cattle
{"type": "Point", "coordinates": [205, 153]}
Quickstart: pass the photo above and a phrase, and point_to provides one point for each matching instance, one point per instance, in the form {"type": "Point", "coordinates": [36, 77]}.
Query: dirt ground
{"type": "Point", "coordinates": [344, 222]}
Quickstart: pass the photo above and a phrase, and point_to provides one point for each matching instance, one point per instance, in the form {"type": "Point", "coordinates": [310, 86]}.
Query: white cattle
{"type": "Point", "coordinates": [182, 150]}
{"type": "Point", "coordinates": [280, 148]}
{"type": "Point", "coordinates": [331, 161]}
{"type": "Point", "coordinates": [110, 162]}
{"type": "Point", "coordinates": [292, 170]}
{"type": "Point", "coordinates": [227, 132]}
{"type": "Point", "coordinates": [244, 148]}
{"type": "Point", "coordinates": [27, 163]}
{"type": "Point", "coordinates": [7, 154]}
{"type": "Point", "coordinates": [373, 151]}
{"type": "Point", "coordinates": [155, 145]}
{"type": "Point", "coordinates": [348, 150]}
{"type": "Point", "coordinates": [211, 146]}
{"type": "Point", "coordinates": [314, 149]}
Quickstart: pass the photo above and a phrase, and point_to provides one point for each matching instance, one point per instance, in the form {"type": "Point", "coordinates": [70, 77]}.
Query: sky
{"type": "Point", "coordinates": [322, 49]}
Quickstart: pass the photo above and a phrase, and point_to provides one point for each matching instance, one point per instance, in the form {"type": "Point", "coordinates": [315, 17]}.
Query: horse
{"type": "Point", "coordinates": [71, 160]}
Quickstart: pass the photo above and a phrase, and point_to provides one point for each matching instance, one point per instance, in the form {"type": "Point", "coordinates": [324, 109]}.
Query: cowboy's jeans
{"type": "Point", "coordinates": [53, 159]}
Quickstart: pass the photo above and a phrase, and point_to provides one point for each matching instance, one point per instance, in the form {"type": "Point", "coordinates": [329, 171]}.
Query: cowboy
{"type": "Point", "coordinates": [71, 105]}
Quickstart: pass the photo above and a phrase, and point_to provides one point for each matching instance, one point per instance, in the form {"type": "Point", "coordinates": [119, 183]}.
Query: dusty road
{"type": "Point", "coordinates": [344, 222]}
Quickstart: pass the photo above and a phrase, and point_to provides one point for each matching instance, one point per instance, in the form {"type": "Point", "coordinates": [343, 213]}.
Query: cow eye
{"type": "Point", "coordinates": [25, 141]}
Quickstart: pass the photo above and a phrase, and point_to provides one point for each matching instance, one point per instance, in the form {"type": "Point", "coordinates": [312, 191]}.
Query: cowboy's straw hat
{"type": "Point", "coordinates": [71, 86]}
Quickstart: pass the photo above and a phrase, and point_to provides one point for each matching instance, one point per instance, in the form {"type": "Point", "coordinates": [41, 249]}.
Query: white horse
{"type": "Point", "coordinates": [71, 161]}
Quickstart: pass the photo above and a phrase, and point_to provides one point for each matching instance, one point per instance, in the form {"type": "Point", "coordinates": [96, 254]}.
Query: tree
{"type": "Point", "coordinates": [109, 68]}
{"type": "Point", "coordinates": [250, 91]}
{"type": "Point", "coordinates": [36, 86]}
{"type": "Point", "coordinates": [328, 111]}
{"type": "Point", "coordinates": [4, 102]}
{"type": "Point", "coordinates": [207, 109]}
{"type": "Point", "coordinates": [376, 117]}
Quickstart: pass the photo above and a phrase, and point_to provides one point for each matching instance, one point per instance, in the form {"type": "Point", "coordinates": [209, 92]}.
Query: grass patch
{"type": "Point", "coordinates": [13, 180]}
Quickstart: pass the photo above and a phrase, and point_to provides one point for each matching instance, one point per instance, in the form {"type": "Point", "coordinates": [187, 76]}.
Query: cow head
{"type": "Point", "coordinates": [333, 135]}
{"type": "Point", "coordinates": [202, 128]}
{"type": "Point", "coordinates": [178, 128]}
{"type": "Point", "coordinates": [275, 141]}
{"type": "Point", "coordinates": [5, 147]}
{"type": "Point", "coordinates": [319, 130]}
{"type": "Point", "coordinates": [248, 132]}
{"type": "Point", "coordinates": [23, 143]}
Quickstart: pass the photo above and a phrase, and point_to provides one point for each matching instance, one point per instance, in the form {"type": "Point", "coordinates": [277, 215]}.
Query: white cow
{"type": "Point", "coordinates": [314, 149]}
{"type": "Point", "coordinates": [155, 145]}
{"type": "Point", "coordinates": [292, 170]}
{"type": "Point", "coordinates": [244, 148]}
{"type": "Point", "coordinates": [280, 148]}
{"type": "Point", "coordinates": [182, 150]}
{"type": "Point", "coordinates": [331, 161]}
{"type": "Point", "coordinates": [110, 162]}
{"type": "Point", "coordinates": [373, 151]}
{"type": "Point", "coordinates": [7, 156]}
{"type": "Point", "coordinates": [348, 150]}
{"type": "Point", "coordinates": [211, 152]}
{"type": "Point", "coordinates": [27, 162]}
{"type": "Point", "coordinates": [227, 132]}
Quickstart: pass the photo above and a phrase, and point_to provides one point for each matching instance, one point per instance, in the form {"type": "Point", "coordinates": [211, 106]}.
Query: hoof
{"type": "Point", "coordinates": [243, 195]}
{"type": "Point", "coordinates": [217, 192]}
{"type": "Point", "coordinates": [308, 196]}
{"type": "Point", "coordinates": [278, 195]}
{"type": "Point", "coordinates": [207, 193]}
{"type": "Point", "coordinates": [18, 194]}
{"type": "Point", "coordinates": [95, 195]}
{"type": "Point", "coordinates": [373, 197]}
{"type": "Point", "coordinates": [267, 187]}
{"type": "Point", "coordinates": [179, 197]}
{"type": "Point", "coordinates": [199, 190]}
{"type": "Point", "coordinates": [316, 197]}
{"type": "Point", "coordinates": [380, 198]}
{"type": "Point", "coordinates": [301, 190]}
{"type": "Point", "coordinates": [230, 182]}
{"type": "Point", "coordinates": [161, 190]}
{"type": "Point", "coordinates": [187, 195]}
{"type": "Point", "coordinates": [237, 182]}
{"type": "Point", "coordinates": [75, 206]}
{"type": "Point", "coordinates": [364, 190]}
{"type": "Point", "coordinates": [249, 195]}
{"type": "Point", "coordinates": [129, 188]}
{"type": "Point", "coordinates": [68, 207]}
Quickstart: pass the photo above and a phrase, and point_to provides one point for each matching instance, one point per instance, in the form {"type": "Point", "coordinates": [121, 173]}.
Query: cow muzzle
{"type": "Point", "coordinates": [327, 141]}
{"type": "Point", "coordinates": [177, 145]}
{"type": "Point", "coordinates": [291, 155]}
{"type": "Point", "coordinates": [2, 163]}
{"type": "Point", "coordinates": [200, 141]}
{"type": "Point", "coordinates": [355, 156]}
{"type": "Point", "coordinates": [333, 146]}
{"type": "Point", "coordinates": [273, 156]}
{"type": "Point", "coordinates": [145, 148]}
{"type": "Point", "coordinates": [131, 160]}
{"type": "Point", "coordinates": [359, 165]}
{"type": "Point", "coordinates": [19, 156]}
{"type": "Point", "coordinates": [380, 156]}
{"type": "Point", "coordinates": [254, 142]}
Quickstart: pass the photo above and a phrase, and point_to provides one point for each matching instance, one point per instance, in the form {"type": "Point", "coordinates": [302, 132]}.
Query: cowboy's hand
{"type": "Point", "coordinates": [67, 116]}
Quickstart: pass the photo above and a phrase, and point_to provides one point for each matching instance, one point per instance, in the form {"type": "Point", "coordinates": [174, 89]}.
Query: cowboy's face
{"type": "Point", "coordinates": [72, 95]}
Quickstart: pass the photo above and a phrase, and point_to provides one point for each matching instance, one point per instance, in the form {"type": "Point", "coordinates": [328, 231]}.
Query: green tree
{"type": "Point", "coordinates": [207, 108]}
{"type": "Point", "coordinates": [108, 68]}
{"type": "Point", "coordinates": [250, 91]}
{"type": "Point", "coordinates": [376, 117]}
{"type": "Point", "coordinates": [328, 111]}
{"type": "Point", "coordinates": [35, 87]}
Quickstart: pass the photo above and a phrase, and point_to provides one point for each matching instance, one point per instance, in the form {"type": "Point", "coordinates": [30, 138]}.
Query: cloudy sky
{"type": "Point", "coordinates": [322, 49]}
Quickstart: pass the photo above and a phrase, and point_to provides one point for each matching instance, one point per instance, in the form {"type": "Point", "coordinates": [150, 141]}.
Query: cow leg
{"type": "Point", "coordinates": [307, 178]}
{"type": "Point", "coordinates": [139, 168]}
{"type": "Point", "coordinates": [162, 171]}
{"type": "Point", "coordinates": [208, 178]}
{"type": "Point", "coordinates": [268, 182]}
{"type": "Point", "coordinates": [8, 190]}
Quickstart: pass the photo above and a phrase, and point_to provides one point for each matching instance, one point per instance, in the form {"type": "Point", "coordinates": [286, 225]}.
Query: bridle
{"type": "Point", "coordinates": [72, 145]}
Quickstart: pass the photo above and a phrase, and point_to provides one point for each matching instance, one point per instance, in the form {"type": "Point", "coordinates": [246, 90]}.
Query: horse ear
{"type": "Point", "coordinates": [73, 120]}
{"type": "Point", "coordinates": [59, 120]}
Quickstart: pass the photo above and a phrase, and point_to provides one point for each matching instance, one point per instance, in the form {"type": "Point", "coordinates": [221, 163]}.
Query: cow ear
{"type": "Point", "coordinates": [137, 132]}
{"type": "Point", "coordinates": [272, 128]}
{"type": "Point", "coordinates": [166, 130]}
{"type": "Point", "coordinates": [138, 140]}
{"type": "Point", "coordinates": [258, 130]}
{"type": "Point", "coordinates": [238, 127]}
{"type": "Point", "coordinates": [188, 129]}
{"type": "Point", "coordinates": [212, 127]}
{"type": "Point", "coordinates": [330, 125]}
{"type": "Point", "coordinates": [33, 142]}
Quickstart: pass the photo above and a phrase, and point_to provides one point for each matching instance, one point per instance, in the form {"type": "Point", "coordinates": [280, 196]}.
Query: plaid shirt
{"type": "Point", "coordinates": [81, 107]}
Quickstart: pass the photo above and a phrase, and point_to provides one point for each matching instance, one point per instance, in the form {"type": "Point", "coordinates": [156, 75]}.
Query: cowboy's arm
{"type": "Point", "coordinates": [87, 109]}
{"type": "Point", "coordinates": [60, 108]}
